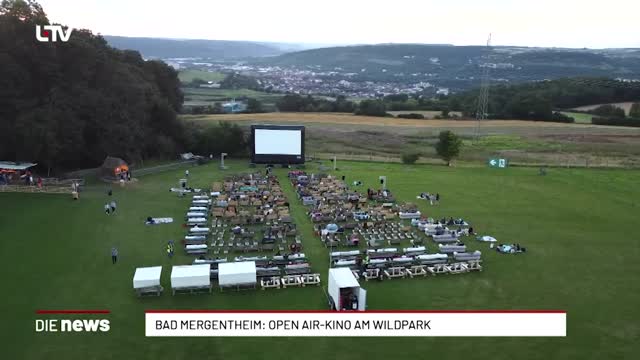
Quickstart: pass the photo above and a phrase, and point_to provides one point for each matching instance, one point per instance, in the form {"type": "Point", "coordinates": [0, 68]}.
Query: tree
{"type": "Point", "coordinates": [372, 108]}
{"type": "Point", "coordinates": [237, 81]}
{"type": "Point", "coordinates": [634, 112]}
{"type": "Point", "coordinates": [291, 102]}
{"type": "Point", "coordinates": [70, 104]}
{"type": "Point", "coordinates": [24, 10]}
{"type": "Point", "coordinates": [254, 106]}
{"type": "Point", "coordinates": [448, 146]}
{"type": "Point", "coordinates": [410, 157]}
{"type": "Point", "coordinates": [608, 110]}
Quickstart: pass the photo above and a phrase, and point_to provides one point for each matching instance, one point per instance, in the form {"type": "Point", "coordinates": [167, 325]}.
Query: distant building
{"type": "Point", "coordinates": [442, 91]}
{"type": "Point", "coordinates": [210, 85]}
{"type": "Point", "coordinates": [233, 107]}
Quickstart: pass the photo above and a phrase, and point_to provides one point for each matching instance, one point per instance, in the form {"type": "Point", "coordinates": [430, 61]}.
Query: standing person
{"type": "Point", "coordinates": [39, 182]}
{"type": "Point", "coordinates": [437, 198]}
{"type": "Point", "coordinates": [186, 173]}
{"type": "Point", "coordinates": [169, 250]}
{"type": "Point", "coordinates": [114, 255]}
{"type": "Point", "coordinates": [107, 209]}
{"type": "Point", "coordinates": [113, 206]}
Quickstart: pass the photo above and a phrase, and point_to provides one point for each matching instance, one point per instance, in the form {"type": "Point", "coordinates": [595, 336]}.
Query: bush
{"type": "Point", "coordinates": [560, 117]}
{"type": "Point", "coordinates": [634, 112]}
{"type": "Point", "coordinates": [608, 110]}
{"type": "Point", "coordinates": [411, 116]}
{"type": "Point", "coordinates": [372, 108]}
{"type": "Point", "coordinates": [616, 121]}
{"type": "Point", "coordinates": [410, 157]}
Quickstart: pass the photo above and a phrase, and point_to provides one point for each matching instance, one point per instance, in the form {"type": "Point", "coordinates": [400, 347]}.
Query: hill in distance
{"type": "Point", "coordinates": [447, 62]}
{"type": "Point", "coordinates": [213, 49]}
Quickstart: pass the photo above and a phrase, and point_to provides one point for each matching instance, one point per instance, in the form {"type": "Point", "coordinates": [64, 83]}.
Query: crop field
{"type": "Point", "coordinates": [576, 223]}
{"type": "Point", "coordinates": [524, 142]}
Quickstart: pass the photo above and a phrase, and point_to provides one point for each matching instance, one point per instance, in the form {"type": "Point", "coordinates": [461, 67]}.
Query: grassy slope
{"type": "Point", "coordinates": [579, 117]}
{"type": "Point", "coordinates": [577, 224]}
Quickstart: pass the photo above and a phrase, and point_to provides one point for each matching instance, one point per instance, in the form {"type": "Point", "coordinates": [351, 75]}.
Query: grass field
{"type": "Point", "coordinates": [579, 117]}
{"type": "Point", "coordinates": [187, 76]}
{"type": "Point", "coordinates": [578, 226]}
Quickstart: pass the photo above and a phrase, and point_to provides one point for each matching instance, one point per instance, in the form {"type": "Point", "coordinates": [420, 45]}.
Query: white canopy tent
{"type": "Point", "coordinates": [237, 274]}
{"type": "Point", "coordinates": [147, 277]}
{"type": "Point", "coordinates": [186, 276]}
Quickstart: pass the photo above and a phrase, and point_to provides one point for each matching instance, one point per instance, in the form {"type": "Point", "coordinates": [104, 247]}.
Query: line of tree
{"type": "Point", "coordinates": [238, 81]}
{"type": "Point", "coordinates": [205, 138]}
{"type": "Point", "coordinates": [372, 108]}
{"type": "Point", "coordinates": [615, 116]}
{"type": "Point", "coordinates": [537, 101]}
{"type": "Point", "coordinates": [608, 110]}
{"type": "Point", "coordinates": [299, 103]}
{"type": "Point", "coordinates": [70, 104]}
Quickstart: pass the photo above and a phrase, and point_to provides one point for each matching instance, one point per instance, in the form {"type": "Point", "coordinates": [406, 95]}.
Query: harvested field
{"type": "Point", "coordinates": [350, 119]}
{"type": "Point", "coordinates": [353, 137]}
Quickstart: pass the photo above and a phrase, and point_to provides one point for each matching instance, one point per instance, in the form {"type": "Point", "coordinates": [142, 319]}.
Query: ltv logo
{"type": "Point", "coordinates": [51, 33]}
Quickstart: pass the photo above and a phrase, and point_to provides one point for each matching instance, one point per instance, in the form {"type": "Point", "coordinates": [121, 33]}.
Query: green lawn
{"type": "Point", "coordinates": [579, 226]}
{"type": "Point", "coordinates": [187, 76]}
{"type": "Point", "coordinates": [579, 117]}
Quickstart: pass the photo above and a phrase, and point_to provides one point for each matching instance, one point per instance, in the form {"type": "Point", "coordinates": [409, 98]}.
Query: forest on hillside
{"type": "Point", "coordinates": [70, 104]}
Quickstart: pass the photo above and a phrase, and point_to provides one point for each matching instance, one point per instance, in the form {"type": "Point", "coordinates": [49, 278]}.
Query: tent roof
{"type": "Point", "coordinates": [241, 272]}
{"type": "Point", "coordinates": [186, 271]}
{"type": "Point", "coordinates": [8, 165]}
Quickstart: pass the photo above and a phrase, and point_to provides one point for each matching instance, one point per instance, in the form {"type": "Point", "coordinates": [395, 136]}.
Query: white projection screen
{"type": "Point", "coordinates": [277, 144]}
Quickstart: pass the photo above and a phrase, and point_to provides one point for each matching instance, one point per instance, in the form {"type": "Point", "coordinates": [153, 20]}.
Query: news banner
{"type": "Point", "coordinates": [355, 324]}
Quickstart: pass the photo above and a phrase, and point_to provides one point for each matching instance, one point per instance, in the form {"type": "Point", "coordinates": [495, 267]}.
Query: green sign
{"type": "Point", "coordinates": [498, 163]}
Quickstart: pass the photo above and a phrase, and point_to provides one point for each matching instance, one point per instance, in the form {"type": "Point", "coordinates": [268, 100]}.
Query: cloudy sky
{"type": "Point", "coordinates": [560, 23]}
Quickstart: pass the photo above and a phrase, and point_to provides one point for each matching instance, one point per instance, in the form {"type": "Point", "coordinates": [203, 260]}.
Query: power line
{"type": "Point", "coordinates": [483, 98]}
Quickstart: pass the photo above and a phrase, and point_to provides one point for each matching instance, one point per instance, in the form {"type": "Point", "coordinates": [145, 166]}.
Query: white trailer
{"type": "Point", "coordinates": [345, 293]}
